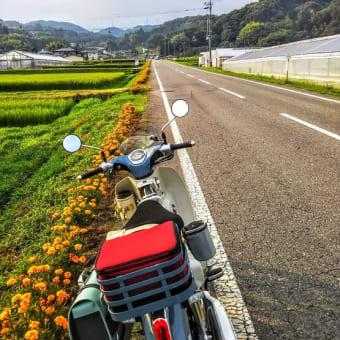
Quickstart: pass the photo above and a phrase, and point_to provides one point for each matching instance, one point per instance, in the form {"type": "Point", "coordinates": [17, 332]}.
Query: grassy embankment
{"type": "Point", "coordinates": [37, 178]}
{"type": "Point", "coordinates": [305, 85]}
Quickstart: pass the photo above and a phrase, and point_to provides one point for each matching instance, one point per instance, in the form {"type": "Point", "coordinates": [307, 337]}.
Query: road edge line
{"type": "Point", "coordinates": [227, 285]}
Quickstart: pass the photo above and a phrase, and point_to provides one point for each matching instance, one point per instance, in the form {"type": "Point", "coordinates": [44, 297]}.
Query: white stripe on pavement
{"type": "Point", "coordinates": [314, 127]}
{"type": "Point", "coordinates": [190, 75]}
{"type": "Point", "coordinates": [204, 81]}
{"type": "Point", "coordinates": [231, 92]}
{"type": "Point", "coordinates": [268, 85]}
{"type": "Point", "coordinates": [226, 287]}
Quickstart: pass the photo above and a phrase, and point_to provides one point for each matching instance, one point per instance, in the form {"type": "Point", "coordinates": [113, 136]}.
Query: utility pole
{"type": "Point", "coordinates": [168, 44]}
{"type": "Point", "coordinates": [208, 5]}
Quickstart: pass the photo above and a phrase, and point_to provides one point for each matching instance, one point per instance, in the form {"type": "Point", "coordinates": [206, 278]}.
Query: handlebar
{"type": "Point", "coordinates": [123, 162]}
{"type": "Point", "coordinates": [90, 173]}
{"type": "Point", "coordinates": [174, 147]}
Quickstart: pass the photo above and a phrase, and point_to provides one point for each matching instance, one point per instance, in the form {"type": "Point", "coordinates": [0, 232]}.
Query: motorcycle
{"type": "Point", "coordinates": [157, 270]}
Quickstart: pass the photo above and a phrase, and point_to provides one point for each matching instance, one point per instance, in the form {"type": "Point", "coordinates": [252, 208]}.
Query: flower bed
{"type": "Point", "coordinates": [41, 295]}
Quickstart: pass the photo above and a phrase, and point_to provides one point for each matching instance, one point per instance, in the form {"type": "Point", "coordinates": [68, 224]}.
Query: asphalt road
{"type": "Point", "coordinates": [272, 186]}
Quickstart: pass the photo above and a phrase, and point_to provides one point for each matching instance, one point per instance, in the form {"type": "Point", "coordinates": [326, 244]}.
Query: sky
{"type": "Point", "coordinates": [97, 14]}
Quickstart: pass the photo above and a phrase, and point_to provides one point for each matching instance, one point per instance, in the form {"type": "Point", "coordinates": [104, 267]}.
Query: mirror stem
{"type": "Point", "coordinates": [103, 156]}
{"type": "Point", "coordinates": [92, 147]}
{"type": "Point", "coordinates": [164, 138]}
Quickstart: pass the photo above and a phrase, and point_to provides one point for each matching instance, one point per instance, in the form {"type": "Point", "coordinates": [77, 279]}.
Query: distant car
{"type": "Point", "coordinates": [157, 57]}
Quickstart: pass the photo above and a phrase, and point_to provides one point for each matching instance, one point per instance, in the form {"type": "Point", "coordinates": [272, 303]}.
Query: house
{"type": "Point", "coordinates": [65, 52]}
{"type": "Point", "coordinates": [219, 55]}
{"type": "Point", "coordinates": [21, 59]}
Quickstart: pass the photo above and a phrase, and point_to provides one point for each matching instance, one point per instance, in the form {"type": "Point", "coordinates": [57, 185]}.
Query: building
{"type": "Point", "coordinates": [20, 59]}
{"type": "Point", "coordinates": [65, 52]}
{"type": "Point", "coordinates": [219, 55]}
{"type": "Point", "coordinates": [317, 60]}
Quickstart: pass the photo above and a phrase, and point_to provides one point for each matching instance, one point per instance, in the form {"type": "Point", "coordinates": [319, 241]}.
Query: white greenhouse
{"type": "Point", "coordinates": [20, 59]}
{"type": "Point", "coordinates": [317, 60]}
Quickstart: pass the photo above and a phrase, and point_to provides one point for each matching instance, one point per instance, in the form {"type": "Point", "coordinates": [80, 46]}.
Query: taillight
{"type": "Point", "coordinates": [161, 329]}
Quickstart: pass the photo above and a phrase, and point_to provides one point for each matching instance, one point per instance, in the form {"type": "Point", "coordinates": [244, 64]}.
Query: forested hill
{"type": "Point", "coordinates": [263, 23]}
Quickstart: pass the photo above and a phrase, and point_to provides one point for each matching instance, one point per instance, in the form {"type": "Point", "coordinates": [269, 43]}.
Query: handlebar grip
{"type": "Point", "coordinates": [90, 173]}
{"type": "Point", "coordinates": [182, 145]}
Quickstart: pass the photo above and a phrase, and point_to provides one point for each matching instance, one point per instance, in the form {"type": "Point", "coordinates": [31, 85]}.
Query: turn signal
{"type": "Point", "coordinates": [161, 329]}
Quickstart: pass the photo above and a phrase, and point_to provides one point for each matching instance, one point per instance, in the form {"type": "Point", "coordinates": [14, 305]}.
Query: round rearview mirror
{"type": "Point", "coordinates": [180, 108]}
{"type": "Point", "coordinates": [72, 143]}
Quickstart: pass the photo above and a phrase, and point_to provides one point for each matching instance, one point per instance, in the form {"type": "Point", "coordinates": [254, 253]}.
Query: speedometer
{"type": "Point", "coordinates": [137, 156]}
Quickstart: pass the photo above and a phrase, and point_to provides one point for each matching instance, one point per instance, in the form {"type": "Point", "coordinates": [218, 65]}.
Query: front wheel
{"type": "Point", "coordinates": [213, 329]}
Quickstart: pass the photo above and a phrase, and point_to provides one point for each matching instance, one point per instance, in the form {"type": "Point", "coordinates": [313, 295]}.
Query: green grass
{"type": "Point", "coordinates": [35, 172]}
{"type": "Point", "coordinates": [60, 81]}
{"type": "Point", "coordinates": [31, 112]}
{"type": "Point", "coordinates": [190, 61]}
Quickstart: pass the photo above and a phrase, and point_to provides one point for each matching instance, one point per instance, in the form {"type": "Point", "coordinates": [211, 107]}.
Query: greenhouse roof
{"type": "Point", "coordinates": [329, 44]}
{"type": "Point", "coordinates": [38, 56]}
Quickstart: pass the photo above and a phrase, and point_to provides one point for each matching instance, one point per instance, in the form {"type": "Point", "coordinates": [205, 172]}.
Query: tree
{"type": "Point", "coordinates": [54, 45]}
{"type": "Point", "coordinates": [250, 34]}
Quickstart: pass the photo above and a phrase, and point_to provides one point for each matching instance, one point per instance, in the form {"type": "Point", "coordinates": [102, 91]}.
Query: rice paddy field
{"type": "Point", "coordinates": [32, 112]}
{"type": "Point", "coordinates": [60, 81]}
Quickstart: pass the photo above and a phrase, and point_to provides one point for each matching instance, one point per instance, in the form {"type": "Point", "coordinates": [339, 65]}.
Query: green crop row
{"type": "Point", "coordinates": [32, 112]}
{"type": "Point", "coordinates": [67, 70]}
{"type": "Point", "coordinates": [60, 81]}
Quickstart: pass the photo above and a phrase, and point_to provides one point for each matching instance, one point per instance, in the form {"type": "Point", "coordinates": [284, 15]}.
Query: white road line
{"type": "Point", "coordinates": [330, 134]}
{"type": "Point", "coordinates": [204, 81]}
{"type": "Point", "coordinates": [231, 92]}
{"type": "Point", "coordinates": [268, 85]}
{"type": "Point", "coordinates": [226, 287]}
{"type": "Point", "coordinates": [190, 75]}
{"type": "Point", "coordinates": [181, 72]}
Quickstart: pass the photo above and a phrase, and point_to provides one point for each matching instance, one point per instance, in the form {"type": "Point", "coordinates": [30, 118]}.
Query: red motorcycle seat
{"type": "Point", "coordinates": [138, 250]}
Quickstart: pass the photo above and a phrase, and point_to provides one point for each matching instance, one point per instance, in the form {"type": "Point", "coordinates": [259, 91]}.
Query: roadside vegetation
{"type": "Point", "coordinates": [46, 216]}
{"type": "Point", "coordinates": [301, 84]}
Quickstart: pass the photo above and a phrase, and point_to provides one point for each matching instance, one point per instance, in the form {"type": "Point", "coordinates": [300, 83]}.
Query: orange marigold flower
{"type": "Point", "coordinates": [50, 310]}
{"type": "Point", "coordinates": [70, 191]}
{"type": "Point", "coordinates": [82, 205]}
{"type": "Point", "coordinates": [82, 259]}
{"type": "Point", "coordinates": [55, 216]}
{"type": "Point", "coordinates": [51, 251]}
{"type": "Point", "coordinates": [16, 298]}
{"type": "Point", "coordinates": [67, 275]}
{"type": "Point", "coordinates": [5, 324]}
{"type": "Point", "coordinates": [50, 298]}
{"type": "Point", "coordinates": [57, 240]}
{"type": "Point", "coordinates": [77, 209]}
{"type": "Point", "coordinates": [56, 280]}
{"type": "Point", "coordinates": [93, 205]}
{"type": "Point", "coordinates": [32, 259]}
{"type": "Point", "coordinates": [68, 220]}
{"type": "Point", "coordinates": [83, 230]}
{"type": "Point", "coordinates": [59, 247]}
{"type": "Point", "coordinates": [94, 200]}
{"type": "Point", "coordinates": [75, 259]}
{"type": "Point", "coordinates": [26, 281]}
{"type": "Point", "coordinates": [4, 331]}
{"type": "Point", "coordinates": [22, 310]}
{"type": "Point", "coordinates": [61, 321]}
{"type": "Point", "coordinates": [5, 314]}
{"type": "Point", "coordinates": [67, 281]}
{"type": "Point", "coordinates": [33, 334]}
{"type": "Point", "coordinates": [34, 325]}
{"type": "Point", "coordinates": [58, 271]}
{"type": "Point", "coordinates": [21, 277]}
{"type": "Point", "coordinates": [88, 212]}
{"type": "Point", "coordinates": [66, 243]}
{"type": "Point", "coordinates": [40, 286]}
{"type": "Point", "coordinates": [11, 282]}
{"type": "Point", "coordinates": [78, 246]}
